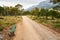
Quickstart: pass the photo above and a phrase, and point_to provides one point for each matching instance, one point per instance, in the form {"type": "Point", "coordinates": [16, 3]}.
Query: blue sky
{"type": "Point", "coordinates": [25, 3]}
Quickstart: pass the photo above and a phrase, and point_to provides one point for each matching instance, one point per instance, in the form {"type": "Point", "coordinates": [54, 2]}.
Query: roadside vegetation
{"type": "Point", "coordinates": [9, 21]}
{"type": "Point", "coordinates": [49, 18]}
{"type": "Point", "coordinates": [9, 17]}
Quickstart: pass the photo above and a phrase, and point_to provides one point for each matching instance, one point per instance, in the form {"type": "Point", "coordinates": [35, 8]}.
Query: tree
{"type": "Point", "coordinates": [6, 10]}
{"type": "Point", "coordinates": [19, 6]}
{"type": "Point", "coordinates": [13, 11]}
{"type": "Point", "coordinates": [57, 7]}
{"type": "Point", "coordinates": [35, 11]}
{"type": "Point", "coordinates": [1, 10]}
{"type": "Point", "coordinates": [55, 1]}
{"type": "Point", "coordinates": [53, 14]}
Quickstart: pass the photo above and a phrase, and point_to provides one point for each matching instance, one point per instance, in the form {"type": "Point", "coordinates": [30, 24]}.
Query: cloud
{"type": "Point", "coordinates": [25, 3]}
{"type": "Point", "coordinates": [22, 1]}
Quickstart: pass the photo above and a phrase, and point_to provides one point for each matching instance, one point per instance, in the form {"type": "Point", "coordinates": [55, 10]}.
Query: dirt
{"type": "Point", "coordinates": [30, 30]}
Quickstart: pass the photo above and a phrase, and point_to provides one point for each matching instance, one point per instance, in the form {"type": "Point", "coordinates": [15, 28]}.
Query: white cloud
{"type": "Point", "coordinates": [25, 3]}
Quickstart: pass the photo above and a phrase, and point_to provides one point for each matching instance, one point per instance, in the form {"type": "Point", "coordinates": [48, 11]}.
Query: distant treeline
{"type": "Point", "coordinates": [18, 10]}
{"type": "Point", "coordinates": [44, 12]}
{"type": "Point", "coordinates": [10, 11]}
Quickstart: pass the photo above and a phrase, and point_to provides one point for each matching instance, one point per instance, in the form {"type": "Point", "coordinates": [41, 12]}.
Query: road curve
{"type": "Point", "coordinates": [30, 30]}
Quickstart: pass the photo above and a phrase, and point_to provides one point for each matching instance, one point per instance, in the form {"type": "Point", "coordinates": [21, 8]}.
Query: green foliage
{"type": "Point", "coordinates": [46, 16]}
{"type": "Point", "coordinates": [10, 11]}
{"type": "Point", "coordinates": [19, 6]}
{"type": "Point", "coordinates": [55, 1]}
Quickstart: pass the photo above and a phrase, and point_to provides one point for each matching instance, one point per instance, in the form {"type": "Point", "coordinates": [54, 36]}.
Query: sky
{"type": "Point", "coordinates": [25, 3]}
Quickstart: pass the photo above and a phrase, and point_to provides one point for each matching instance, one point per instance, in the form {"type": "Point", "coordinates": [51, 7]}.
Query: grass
{"type": "Point", "coordinates": [8, 21]}
{"type": "Point", "coordinates": [54, 24]}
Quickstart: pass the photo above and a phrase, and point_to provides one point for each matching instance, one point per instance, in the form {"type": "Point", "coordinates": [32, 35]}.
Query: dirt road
{"type": "Point", "coordinates": [30, 30]}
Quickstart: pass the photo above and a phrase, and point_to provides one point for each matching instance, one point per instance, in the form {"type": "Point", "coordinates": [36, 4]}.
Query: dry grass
{"type": "Point", "coordinates": [53, 24]}
{"type": "Point", "coordinates": [8, 21]}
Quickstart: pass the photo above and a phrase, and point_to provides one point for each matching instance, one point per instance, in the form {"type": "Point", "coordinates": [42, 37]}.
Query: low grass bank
{"type": "Point", "coordinates": [53, 24]}
{"type": "Point", "coordinates": [6, 21]}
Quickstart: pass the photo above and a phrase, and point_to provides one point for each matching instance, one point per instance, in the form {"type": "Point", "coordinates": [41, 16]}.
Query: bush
{"type": "Point", "coordinates": [1, 28]}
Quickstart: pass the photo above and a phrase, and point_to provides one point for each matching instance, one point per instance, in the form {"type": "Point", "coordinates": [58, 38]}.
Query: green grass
{"type": "Point", "coordinates": [8, 21]}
